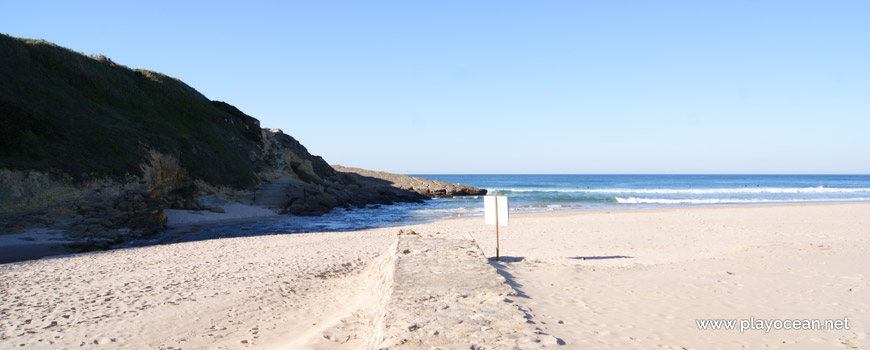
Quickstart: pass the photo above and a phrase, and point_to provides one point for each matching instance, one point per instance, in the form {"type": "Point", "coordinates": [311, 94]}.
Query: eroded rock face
{"type": "Point", "coordinates": [132, 215]}
{"type": "Point", "coordinates": [299, 183]}
{"type": "Point", "coordinates": [99, 212]}
{"type": "Point", "coordinates": [294, 182]}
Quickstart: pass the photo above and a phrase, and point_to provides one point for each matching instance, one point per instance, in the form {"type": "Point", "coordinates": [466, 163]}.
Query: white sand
{"type": "Point", "coordinates": [647, 277]}
{"type": "Point", "coordinates": [270, 291]}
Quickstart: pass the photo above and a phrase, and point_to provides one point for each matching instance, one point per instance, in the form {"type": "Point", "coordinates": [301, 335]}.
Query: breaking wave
{"type": "Point", "coordinates": [635, 200]}
{"type": "Point", "coordinates": [743, 190]}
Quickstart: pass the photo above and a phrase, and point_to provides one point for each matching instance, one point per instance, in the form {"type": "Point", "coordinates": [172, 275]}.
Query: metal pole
{"type": "Point", "coordinates": [497, 258]}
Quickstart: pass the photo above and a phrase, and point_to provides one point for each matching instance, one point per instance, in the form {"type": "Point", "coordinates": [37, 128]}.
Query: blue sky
{"type": "Point", "coordinates": [511, 86]}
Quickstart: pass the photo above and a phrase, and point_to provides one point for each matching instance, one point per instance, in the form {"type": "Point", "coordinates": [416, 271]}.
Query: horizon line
{"type": "Point", "coordinates": [668, 174]}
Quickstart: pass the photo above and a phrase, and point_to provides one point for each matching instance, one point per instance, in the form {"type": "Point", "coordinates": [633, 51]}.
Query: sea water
{"type": "Point", "coordinates": [540, 193]}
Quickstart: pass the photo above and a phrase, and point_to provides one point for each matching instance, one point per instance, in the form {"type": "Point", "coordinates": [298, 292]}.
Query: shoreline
{"type": "Point", "coordinates": [180, 221]}
{"type": "Point", "coordinates": [699, 207]}
{"type": "Point", "coordinates": [32, 244]}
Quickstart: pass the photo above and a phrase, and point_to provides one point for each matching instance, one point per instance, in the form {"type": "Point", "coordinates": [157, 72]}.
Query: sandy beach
{"type": "Point", "coordinates": [628, 279]}
{"type": "Point", "coordinates": [642, 279]}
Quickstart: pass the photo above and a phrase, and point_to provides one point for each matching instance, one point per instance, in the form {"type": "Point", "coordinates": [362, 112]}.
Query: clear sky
{"type": "Point", "coordinates": [511, 86]}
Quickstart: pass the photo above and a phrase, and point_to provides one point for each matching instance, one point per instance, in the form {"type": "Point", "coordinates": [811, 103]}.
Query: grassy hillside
{"type": "Point", "coordinates": [63, 111]}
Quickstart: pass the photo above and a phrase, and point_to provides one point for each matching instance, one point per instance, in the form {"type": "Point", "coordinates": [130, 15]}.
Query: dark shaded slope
{"type": "Point", "coordinates": [64, 111]}
{"type": "Point", "coordinates": [98, 151]}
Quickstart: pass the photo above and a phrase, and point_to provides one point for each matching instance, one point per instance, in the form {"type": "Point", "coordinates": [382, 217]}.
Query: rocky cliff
{"type": "Point", "coordinates": [99, 150]}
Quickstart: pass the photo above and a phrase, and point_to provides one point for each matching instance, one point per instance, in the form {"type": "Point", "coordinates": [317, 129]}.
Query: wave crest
{"type": "Point", "coordinates": [786, 190]}
{"type": "Point", "coordinates": [635, 200]}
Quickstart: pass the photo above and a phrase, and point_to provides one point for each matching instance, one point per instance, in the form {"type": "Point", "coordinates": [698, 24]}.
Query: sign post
{"type": "Point", "coordinates": [495, 209]}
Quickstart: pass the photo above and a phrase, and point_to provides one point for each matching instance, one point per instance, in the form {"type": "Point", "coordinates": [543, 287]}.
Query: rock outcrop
{"type": "Point", "coordinates": [425, 187]}
{"type": "Point", "coordinates": [299, 183]}
{"type": "Point", "coordinates": [99, 150]}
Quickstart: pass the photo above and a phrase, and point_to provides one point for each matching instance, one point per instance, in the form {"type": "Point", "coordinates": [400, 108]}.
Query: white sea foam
{"type": "Point", "coordinates": [635, 200]}
{"type": "Point", "coordinates": [695, 191]}
{"type": "Point", "coordinates": [460, 210]}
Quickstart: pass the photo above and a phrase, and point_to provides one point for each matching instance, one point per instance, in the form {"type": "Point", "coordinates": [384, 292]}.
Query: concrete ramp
{"type": "Point", "coordinates": [428, 292]}
{"type": "Point", "coordinates": [446, 295]}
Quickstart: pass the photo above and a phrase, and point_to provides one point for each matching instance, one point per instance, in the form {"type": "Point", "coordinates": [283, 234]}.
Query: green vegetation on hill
{"type": "Point", "coordinates": [66, 112]}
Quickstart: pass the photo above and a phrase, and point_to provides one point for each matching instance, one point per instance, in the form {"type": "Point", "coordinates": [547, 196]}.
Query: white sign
{"type": "Point", "coordinates": [495, 209]}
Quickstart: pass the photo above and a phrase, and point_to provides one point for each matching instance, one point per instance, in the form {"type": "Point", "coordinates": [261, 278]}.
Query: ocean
{"type": "Point", "coordinates": [540, 193]}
